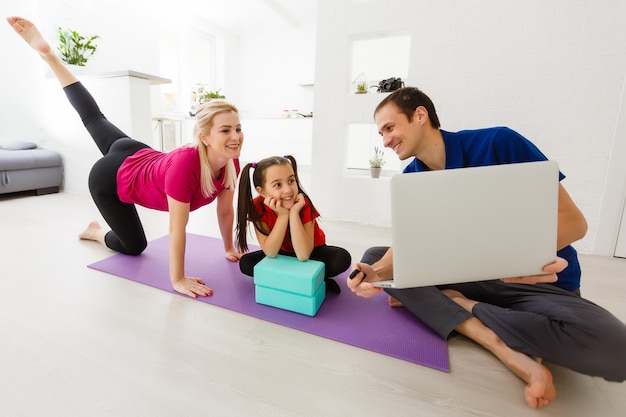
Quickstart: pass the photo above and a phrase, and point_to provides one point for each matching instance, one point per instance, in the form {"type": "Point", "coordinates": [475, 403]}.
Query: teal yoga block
{"type": "Point", "coordinates": [287, 273]}
{"type": "Point", "coordinates": [297, 303]}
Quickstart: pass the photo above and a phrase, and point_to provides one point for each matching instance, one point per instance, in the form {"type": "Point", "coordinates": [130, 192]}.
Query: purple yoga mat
{"type": "Point", "coordinates": [366, 323]}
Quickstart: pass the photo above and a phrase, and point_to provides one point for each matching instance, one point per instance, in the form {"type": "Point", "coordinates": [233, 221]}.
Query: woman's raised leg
{"type": "Point", "coordinates": [103, 132]}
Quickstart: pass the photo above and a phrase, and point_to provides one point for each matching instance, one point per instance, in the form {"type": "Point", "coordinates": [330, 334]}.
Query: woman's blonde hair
{"type": "Point", "coordinates": [205, 113]}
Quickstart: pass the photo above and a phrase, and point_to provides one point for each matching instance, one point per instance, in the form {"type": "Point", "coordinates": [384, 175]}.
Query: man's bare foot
{"type": "Point", "coordinates": [540, 389]}
{"type": "Point", "coordinates": [394, 302]}
{"type": "Point", "coordinates": [27, 30]}
{"type": "Point", "coordinates": [93, 232]}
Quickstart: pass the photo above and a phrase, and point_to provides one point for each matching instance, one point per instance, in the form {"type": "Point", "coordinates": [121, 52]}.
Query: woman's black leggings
{"type": "Point", "coordinates": [127, 235]}
{"type": "Point", "coordinates": [336, 260]}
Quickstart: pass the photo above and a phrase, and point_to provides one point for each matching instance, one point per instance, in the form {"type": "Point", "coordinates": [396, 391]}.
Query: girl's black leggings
{"type": "Point", "coordinates": [336, 260]}
{"type": "Point", "coordinates": [127, 235]}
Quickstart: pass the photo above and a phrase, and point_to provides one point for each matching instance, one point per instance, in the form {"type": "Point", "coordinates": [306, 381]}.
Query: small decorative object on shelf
{"type": "Point", "coordinates": [391, 84]}
{"type": "Point", "coordinates": [360, 84]}
{"type": "Point", "coordinates": [75, 49]}
{"type": "Point", "coordinates": [202, 94]}
{"type": "Point", "coordinates": [377, 162]}
{"type": "Point", "coordinates": [361, 88]}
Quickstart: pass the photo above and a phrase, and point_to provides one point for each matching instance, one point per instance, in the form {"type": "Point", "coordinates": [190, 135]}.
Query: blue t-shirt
{"type": "Point", "coordinates": [495, 146]}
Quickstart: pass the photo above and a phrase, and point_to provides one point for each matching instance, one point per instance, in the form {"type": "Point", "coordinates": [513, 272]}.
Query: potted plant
{"type": "Point", "coordinates": [75, 48]}
{"type": "Point", "coordinates": [361, 88]}
{"type": "Point", "coordinates": [377, 162]}
{"type": "Point", "coordinates": [202, 94]}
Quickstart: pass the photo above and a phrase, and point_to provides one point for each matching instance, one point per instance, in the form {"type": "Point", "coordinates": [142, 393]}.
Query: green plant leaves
{"type": "Point", "coordinates": [75, 48]}
{"type": "Point", "coordinates": [205, 95]}
{"type": "Point", "coordinates": [377, 160]}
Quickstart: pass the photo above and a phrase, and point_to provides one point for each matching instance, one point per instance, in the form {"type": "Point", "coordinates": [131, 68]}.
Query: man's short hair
{"type": "Point", "coordinates": [407, 99]}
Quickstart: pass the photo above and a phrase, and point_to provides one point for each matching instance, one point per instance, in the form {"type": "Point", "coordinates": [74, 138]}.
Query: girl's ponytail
{"type": "Point", "coordinates": [244, 205]}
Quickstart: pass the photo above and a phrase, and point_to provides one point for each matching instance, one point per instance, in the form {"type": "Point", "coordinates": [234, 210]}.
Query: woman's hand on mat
{"type": "Point", "coordinates": [232, 254]}
{"type": "Point", "coordinates": [550, 274]}
{"type": "Point", "coordinates": [358, 284]}
{"type": "Point", "coordinates": [192, 287]}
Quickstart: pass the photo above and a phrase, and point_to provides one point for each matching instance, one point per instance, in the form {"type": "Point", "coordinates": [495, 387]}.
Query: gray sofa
{"type": "Point", "coordinates": [25, 167]}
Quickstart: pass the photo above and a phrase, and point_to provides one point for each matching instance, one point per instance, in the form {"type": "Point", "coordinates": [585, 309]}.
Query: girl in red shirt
{"type": "Point", "coordinates": [284, 219]}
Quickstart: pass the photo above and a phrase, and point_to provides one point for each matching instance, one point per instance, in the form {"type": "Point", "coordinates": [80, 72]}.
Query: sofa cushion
{"type": "Point", "coordinates": [11, 160]}
{"type": "Point", "coordinates": [20, 145]}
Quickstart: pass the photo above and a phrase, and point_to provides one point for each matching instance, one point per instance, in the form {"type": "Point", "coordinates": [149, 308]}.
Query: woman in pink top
{"type": "Point", "coordinates": [130, 172]}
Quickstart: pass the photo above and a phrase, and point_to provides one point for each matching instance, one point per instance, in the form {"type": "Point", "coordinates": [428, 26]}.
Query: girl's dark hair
{"type": "Point", "coordinates": [246, 210]}
{"type": "Point", "coordinates": [407, 99]}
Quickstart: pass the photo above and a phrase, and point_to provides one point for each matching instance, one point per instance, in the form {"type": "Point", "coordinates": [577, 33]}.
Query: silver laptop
{"type": "Point", "coordinates": [473, 224]}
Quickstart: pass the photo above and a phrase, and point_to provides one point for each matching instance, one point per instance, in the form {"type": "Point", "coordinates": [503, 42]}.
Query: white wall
{"type": "Point", "coordinates": [21, 74]}
{"type": "Point", "coordinates": [277, 72]}
{"type": "Point", "coordinates": [143, 38]}
{"type": "Point", "coordinates": [552, 70]}
{"type": "Point", "coordinates": [262, 74]}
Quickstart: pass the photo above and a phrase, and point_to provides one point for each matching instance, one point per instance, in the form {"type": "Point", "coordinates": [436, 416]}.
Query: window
{"type": "Point", "coordinates": [200, 63]}
{"type": "Point", "coordinates": [376, 58]}
{"type": "Point", "coordinates": [362, 138]}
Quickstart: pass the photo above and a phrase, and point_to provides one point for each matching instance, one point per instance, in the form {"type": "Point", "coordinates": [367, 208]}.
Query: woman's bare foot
{"type": "Point", "coordinates": [27, 30]}
{"type": "Point", "coordinates": [93, 232]}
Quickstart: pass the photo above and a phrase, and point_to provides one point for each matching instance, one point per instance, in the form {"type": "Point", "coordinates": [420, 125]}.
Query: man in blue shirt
{"type": "Point", "coordinates": [517, 319]}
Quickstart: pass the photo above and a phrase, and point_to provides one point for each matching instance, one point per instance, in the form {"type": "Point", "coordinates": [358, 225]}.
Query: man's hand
{"type": "Point", "coordinates": [550, 274]}
{"type": "Point", "coordinates": [359, 286]}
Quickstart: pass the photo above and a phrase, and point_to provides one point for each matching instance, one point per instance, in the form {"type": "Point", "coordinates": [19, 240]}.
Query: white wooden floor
{"type": "Point", "coordinates": [77, 342]}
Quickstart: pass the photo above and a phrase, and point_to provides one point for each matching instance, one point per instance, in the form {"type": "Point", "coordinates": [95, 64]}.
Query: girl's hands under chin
{"type": "Point", "coordinates": [299, 203]}
{"type": "Point", "coordinates": [275, 204]}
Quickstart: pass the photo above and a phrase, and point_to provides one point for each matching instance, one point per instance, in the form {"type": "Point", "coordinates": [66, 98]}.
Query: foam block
{"type": "Point", "coordinates": [287, 273]}
{"type": "Point", "coordinates": [297, 303]}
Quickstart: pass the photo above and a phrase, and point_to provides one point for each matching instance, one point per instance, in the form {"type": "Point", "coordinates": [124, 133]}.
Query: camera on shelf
{"type": "Point", "coordinates": [390, 84]}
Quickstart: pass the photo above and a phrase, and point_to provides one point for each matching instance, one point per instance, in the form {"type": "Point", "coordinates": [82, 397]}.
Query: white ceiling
{"type": "Point", "coordinates": [254, 16]}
